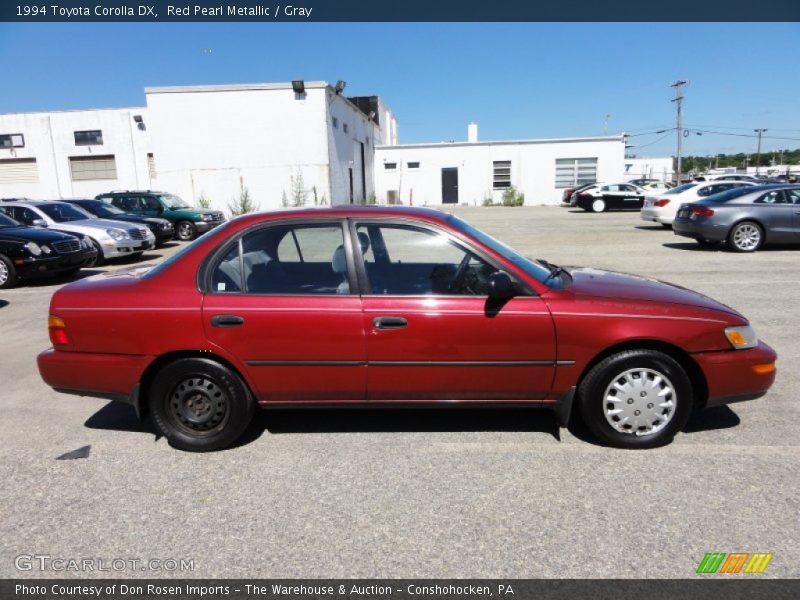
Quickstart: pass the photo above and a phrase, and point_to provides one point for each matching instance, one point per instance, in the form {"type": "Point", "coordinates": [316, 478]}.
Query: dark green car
{"type": "Point", "coordinates": [188, 221]}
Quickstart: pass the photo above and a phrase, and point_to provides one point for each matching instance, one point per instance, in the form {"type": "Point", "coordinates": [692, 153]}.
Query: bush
{"type": "Point", "coordinates": [242, 204]}
{"type": "Point", "coordinates": [487, 201]}
{"type": "Point", "coordinates": [204, 201]}
{"type": "Point", "coordinates": [512, 197]}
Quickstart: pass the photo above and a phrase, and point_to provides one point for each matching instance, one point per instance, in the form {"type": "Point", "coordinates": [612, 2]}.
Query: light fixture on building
{"type": "Point", "coordinates": [340, 86]}
{"type": "Point", "coordinates": [139, 122]}
{"type": "Point", "coordinates": [371, 115]}
{"type": "Point", "coordinates": [299, 86]}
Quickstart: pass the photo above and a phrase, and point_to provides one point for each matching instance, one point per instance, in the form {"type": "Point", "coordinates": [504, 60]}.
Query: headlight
{"type": "Point", "coordinates": [207, 217]}
{"type": "Point", "coordinates": [165, 225]}
{"type": "Point", "coordinates": [742, 337]}
{"type": "Point", "coordinates": [45, 249]}
{"type": "Point", "coordinates": [33, 248]}
{"type": "Point", "coordinates": [86, 242]}
{"type": "Point", "coordinates": [117, 234]}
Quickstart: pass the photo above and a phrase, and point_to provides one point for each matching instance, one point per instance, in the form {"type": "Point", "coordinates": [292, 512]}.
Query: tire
{"type": "Point", "coordinates": [747, 236]}
{"type": "Point", "coordinates": [8, 274]}
{"type": "Point", "coordinates": [598, 205]}
{"type": "Point", "coordinates": [185, 231]}
{"type": "Point", "coordinates": [137, 254]}
{"type": "Point", "coordinates": [100, 260]}
{"type": "Point", "coordinates": [635, 372]}
{"type": "Point", "coordinates": [667, 225]}
{"type": "Point", "coordinates": [200, 405]}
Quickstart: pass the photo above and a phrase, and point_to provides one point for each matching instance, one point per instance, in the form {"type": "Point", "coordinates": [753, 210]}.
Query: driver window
{"type": "Point", "coordinates": [774, 197]}
{"type": "Point", "coordinates": [407, 260]}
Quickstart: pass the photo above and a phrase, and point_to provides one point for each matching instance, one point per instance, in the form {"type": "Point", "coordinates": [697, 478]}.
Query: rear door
{"type": "Point", "coordinates": [776, 214]}
{"type": "Point", "coordinates": [432, 333]}
{"type": "Point", "coordinates": [282, 300]}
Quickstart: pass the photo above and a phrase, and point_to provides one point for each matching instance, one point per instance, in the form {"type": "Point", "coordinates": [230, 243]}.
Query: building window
{"type": "Point", "coordinates": [335, 122]}
{"type": "Point", "coordinates": [89, 138]}
{"type": "Point", "coordinates": [86, 168]}
{"type": "Point", "coordinates": [12, 140]}
{"type": "Point", "coordinates": [151, 165]}
{"type": "Point", "coordinates": [345, 127]}
{"type": "Point", "coordinates": [501, 174]}
{"type": "Point", "coordinates": [19, 170]}
{"type": "Point", "coordinates": [575, 172]}
{"type": "Point", "coordinates": [413, 165]}
{"type": "Point", "coordinates": [390, 166]}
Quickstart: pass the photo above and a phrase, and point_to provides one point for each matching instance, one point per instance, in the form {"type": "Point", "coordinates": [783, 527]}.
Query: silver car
{"type": "Point", "coordinates": [113, 239]}
{"type": "Point", "coordinates": [746, 218]}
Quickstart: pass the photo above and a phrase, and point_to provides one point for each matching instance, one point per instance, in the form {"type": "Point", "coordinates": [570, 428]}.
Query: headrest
{"type": "Point", "coordinates": [339, 261]}
{"type": "Point", "coordinates": [363, 239]}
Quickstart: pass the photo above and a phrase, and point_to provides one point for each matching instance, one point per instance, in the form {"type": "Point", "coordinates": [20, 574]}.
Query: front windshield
{"type": "Point", "coordinates": [101, 209]}
{"type": "Point", "coordinates": [61, 212]}
{"type": "Point", "coordinates": [681, 188]}
{"type": "Point", "coordinates": [6, 221]}
{"type": "Point", "coordinates": [173, 202]}
{"type": "Point", "coordinates": [535, 269]}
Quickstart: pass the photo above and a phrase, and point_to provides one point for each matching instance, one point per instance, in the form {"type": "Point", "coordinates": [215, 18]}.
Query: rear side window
{"type": "Point", "coordinates": [287, 259]}
{"type": "Point", "coordinates": [773, 197]}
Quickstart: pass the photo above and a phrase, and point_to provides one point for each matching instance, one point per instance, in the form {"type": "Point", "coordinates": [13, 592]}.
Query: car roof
{"type": "Point", "coordinates": [346, 210]}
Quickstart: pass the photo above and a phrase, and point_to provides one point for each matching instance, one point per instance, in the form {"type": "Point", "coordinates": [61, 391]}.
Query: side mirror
{"type": "Point", "coordinates": [39, 223]}
{"type": "Point", "coordinates": [501, 287]}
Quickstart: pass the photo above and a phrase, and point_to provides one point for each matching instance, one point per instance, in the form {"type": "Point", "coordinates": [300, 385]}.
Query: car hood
{"type": "Point", "coordinates": [35, 234]}
{"type": "Point", "coordinates": [621, 286]}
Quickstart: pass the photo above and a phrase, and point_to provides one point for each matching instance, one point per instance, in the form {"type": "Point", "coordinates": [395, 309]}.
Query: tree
{"type": "Point", "coordinates": [242, 204]}
{"type": "Point", "coordinates": [298, 191]}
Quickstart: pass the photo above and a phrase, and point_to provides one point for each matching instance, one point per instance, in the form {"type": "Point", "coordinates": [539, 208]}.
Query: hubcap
{"type": "Point", "coordinates": [3, 273]}
{"type": "Point", "coordinates": [598, 205]}
{"type": "Point", "coordinates": [185, 231]}
{"type": "Point", "coordinates": [639, 402]}
{"type": "Point", "coordinates": [198, 405]}
{"type": "Point", "coordinates": [746, 237]}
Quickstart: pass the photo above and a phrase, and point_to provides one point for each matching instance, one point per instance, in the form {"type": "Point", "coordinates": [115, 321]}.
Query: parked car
{"type": "Point", "coordinates": [28, 252]}
{"type": "Point", "coordinates": [662, 207]}
{"type": "Point", "coordinates": [734, 177]}
{"type": "Point", "coordinates": [613, 196]}
{"type": "Point", "coordinates": [568, 194]}
{"type": "Point", "coordinates": [112, 239]}
{"type": "Point", "coordinates": [393, 306]}
{"type": "Point", "coordinates": [745, 218]}
{"type": "Point", "coordinates": [162, 229]}
{"type": "Point", "coordinates": [651, 184]}
{"type": "Point", "coordinates": [189, 222]}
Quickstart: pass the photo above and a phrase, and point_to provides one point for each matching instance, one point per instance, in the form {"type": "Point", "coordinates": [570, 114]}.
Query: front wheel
{"type": "Point", "coordinates": [185, 231]}
{"type": "Point", "coordinates": [746, 236]}
{"type": "Point", "coordinates": [8, 274]}
{"type": "Point", "coordinates": [636, 399]}
{"type": "Point", "coordinates": [99, 260]}
{"type": "Point", "coordinates": [200, 405]}
{"type": "Point", "coordinates": [599, 205]}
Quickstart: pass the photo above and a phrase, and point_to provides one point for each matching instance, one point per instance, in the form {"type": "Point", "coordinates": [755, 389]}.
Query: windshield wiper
{"type": "Point", "coordinates": [555, 270]}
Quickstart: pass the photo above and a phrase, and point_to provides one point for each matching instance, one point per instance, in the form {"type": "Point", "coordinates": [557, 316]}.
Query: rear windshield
{"type": "Point", "coordinates": [185, 250]}
{"type": "Point", "coordinates": [681, 188]}
{"type": "Point", "coordinates": [731, 194]}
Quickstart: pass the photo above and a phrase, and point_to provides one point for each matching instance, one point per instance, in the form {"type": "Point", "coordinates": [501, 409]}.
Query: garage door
{"type": "Point", "coordinates": [19, 170]}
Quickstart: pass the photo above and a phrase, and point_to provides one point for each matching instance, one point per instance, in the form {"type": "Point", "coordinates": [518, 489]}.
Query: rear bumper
{"type": "Point", "coordinates": [649, 213]}
{"type": "Point", "coordinates": [109, 376]}
{"type": "Point", "coordinates": [699, 230]}
{"type": "Point", "coordinates": [731, 377]}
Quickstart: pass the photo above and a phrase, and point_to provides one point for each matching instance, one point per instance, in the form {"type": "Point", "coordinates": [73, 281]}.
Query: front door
{"type": "Point", "coordinates": [432, 334]}
{"type": "Point", "coordinates": [282, 301]}
{"type": "Point", "coordinates": [794, 197]}
{"type": "Point", "coordinates": [450, 185]}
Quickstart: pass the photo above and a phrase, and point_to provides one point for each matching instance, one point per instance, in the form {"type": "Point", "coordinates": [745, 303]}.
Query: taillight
{"type": "Point", "coordinates": [702, 211]}
{"type": "Point", "coordinates": [57, 330]}
{"type": "Point", "coordinates": [661, 202]}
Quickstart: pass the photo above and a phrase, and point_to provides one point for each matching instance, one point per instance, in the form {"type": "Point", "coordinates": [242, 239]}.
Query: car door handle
{"type": "Point", "coordinates": [227, 320]}
{"type": "Point", "coordinates": [389, 322]}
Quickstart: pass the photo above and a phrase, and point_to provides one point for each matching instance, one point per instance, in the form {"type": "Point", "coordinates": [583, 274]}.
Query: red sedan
{"type": "Point", "coordinates": [390, 306]}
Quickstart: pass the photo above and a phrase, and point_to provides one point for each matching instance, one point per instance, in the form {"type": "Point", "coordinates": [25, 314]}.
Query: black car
{"type": "Point", "coordinates": [28, 252]}
{"type": "Point", "coordinates": [161, 228]}
{"type": "Point", "coordinates": [746, 218]}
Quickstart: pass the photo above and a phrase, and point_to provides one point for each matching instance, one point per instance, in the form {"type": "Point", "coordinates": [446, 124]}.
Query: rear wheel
{"type": "Point", "coordinates": [599, 205]}
{"type": "Point", "coordinates": [746, 236]}
{"type": "Point", "coordinates": [636, 399]}
{"type": "Point", "coordinates": [8, 274]}
{"type": "Point", "coordinates": [200, 405]}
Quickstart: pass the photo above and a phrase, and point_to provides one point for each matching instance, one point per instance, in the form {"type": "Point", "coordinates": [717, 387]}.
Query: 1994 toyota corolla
{"type": "Point", "coordinates": [392, 306]}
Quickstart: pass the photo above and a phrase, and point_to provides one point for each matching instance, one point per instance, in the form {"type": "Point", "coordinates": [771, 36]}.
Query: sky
{"type": "Point", "coordinates": [516, 80]}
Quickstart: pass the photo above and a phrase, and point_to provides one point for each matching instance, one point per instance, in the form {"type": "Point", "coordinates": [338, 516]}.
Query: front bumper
{"type": "Point", "coordinates": [731, 376]}
{"type": "Point", "coordinates": [206, 226]}
{"type": "Point", "coordinates": [125, 248]}
{"type": "Point", "coordinates": [51, 265]}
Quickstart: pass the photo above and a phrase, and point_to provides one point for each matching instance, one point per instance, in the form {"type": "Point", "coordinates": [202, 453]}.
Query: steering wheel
{"type": "Point", "coordinates": [461, 271]}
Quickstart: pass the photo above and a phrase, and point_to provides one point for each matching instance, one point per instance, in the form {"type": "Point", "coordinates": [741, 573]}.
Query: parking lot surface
{"type": "Point", "coordinates": [420, 493]}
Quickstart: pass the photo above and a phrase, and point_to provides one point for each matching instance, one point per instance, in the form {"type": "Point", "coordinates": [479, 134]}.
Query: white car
{"type": "Point", "coordinates": [113, 239]}
{"type": "Point", "coordinates": [600, 197]}
{"type": "Point", "coordinates": [663, 206]}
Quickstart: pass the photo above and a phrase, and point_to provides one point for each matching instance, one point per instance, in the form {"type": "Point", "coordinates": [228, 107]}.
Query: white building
{"type": "Point", "coordinates": [649, 168]}
{"type": "Point", "coordinates": [284, 142]}
{"type": "Point", "coordinates": [473, 172]}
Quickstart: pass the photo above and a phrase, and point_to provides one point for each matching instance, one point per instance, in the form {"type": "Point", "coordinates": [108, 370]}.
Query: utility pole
{"type": "Point", "coordinates": [678, 85]}
{"type": "Point", "coordinates": [758, 152]}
